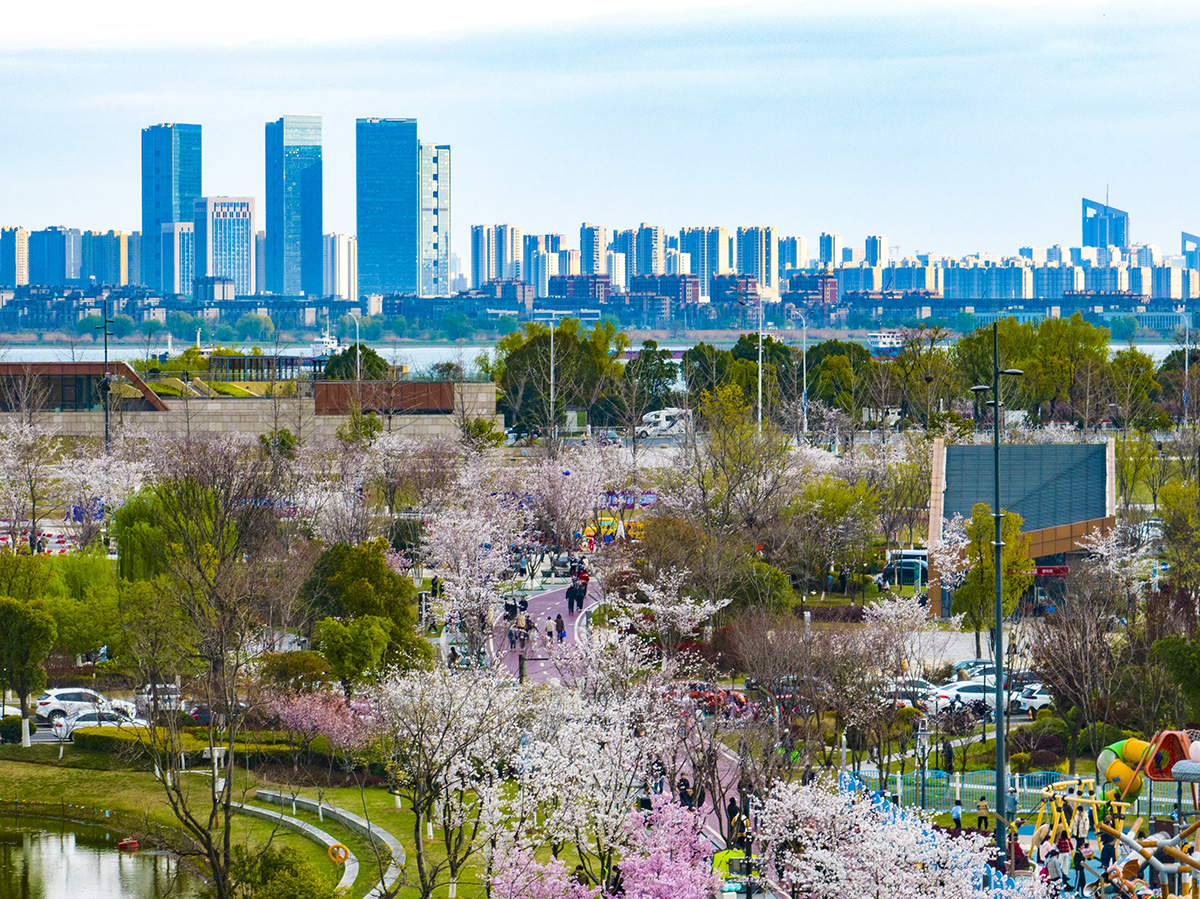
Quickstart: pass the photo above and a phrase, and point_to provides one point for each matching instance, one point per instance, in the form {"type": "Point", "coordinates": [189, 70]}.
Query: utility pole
{"type": "Point", "coordinates": [106, 381]}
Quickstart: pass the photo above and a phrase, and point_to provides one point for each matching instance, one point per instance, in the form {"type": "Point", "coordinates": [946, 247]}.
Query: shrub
{"type": "Point", "coordinates": [1020, 762]}
{"type": "Point", "coordinates": [837, 614]}
{"type": "Point", "coordinates": [1105, 734]}
{"type": "Point", "coordinates": [10, 729]}
{"type": "Point", "coordinates": [1042, 760]}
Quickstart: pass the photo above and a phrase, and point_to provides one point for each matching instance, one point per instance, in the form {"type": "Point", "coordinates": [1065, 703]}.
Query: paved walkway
{"type": "Point", "coordinates": [543, 605]}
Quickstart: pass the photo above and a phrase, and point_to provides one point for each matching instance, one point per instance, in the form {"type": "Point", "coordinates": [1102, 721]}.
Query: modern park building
{"type": "Point", "coordinates": [171, 184]}
{"type": "Point", "coordinates": [1063, 493]}
{"type": "Point", "coordinates": [295, 197]}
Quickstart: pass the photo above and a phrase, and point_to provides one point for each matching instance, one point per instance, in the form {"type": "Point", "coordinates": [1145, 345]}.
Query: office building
{"type": "Point", "coordinates": [483, 255]}
{"type": "Point", "coordinates": [178, 258]}
{"type": "Point", "coordinates": [678, 263]}
{"type": "Point", "coordinates": [1189, 248]}
{"type": "Point", "coordinates": [435, 220]}
{"type": "Point", "coordinates": [853, 256]}
{"type": "Point", "coordinates": [133, 258]}
{"type": "Point", "coordinates": [224, 235]}
{"type": "Point", "coordinates": [542, 267]}
{"type": "Point", "coordinates": [340, 267]}
{"type": "Point", "coordinates": [295, 200]}
{"type": "Point", "coordinates": [54, 256]}
{"type": "Point", "coordinates": [388, 205]}
{"type": "Point", "coordinates": [758, 257]}
{"type": "Point", "coordinates": [593, 249]}
{"type": "Point", "coordinates": [14, 257]}
{"type": "Point", "coordinates": [650, 256]}
{"type": "Point", "coordinates": [568, 262]}
{"type": "Point", "coordinates": [709, 252]}
{"type": "Point", "coordinates": [617, 274]}
{"type": "Point", "coordinates": [102, 258]}
{"type": "Point", "coordinates": [171, 184]}
{"type": "Point", "coordinates": [1104, 225]}
{"type": "Point", "coordinates": [830, 250]}
{"type": "Point", "coordinates": [260, 261]}
{"type": "Point", "coordinates": [532, 244]}
{"type": "Point", "coordinates": [511, 253]}
{"type": "Point", "coordinates": [793, 254]}
{"type": "Point", "coordinates": [876, 250]}
{"type": "Point", "coordinates": [625, 243]}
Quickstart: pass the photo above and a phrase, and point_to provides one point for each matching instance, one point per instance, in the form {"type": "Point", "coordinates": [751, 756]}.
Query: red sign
{"type": "Point", "coordinates": [1051, 570]}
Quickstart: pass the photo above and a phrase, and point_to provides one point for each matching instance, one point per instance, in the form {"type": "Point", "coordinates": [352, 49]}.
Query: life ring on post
{"type": "Point", "coordinates": [338, 854]}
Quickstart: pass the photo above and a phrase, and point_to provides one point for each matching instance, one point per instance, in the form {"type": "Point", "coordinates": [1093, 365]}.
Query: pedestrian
{"type": "Point", "coordinates": [453, 656]}
{"type": "Point", "coordinates": [956, 815]}
{"type": "Point", "coordinates": [948, 756]}
{"type": "Point", "coordinates": [561, 627]}
{"type": "Point", "coordinates": [1010, 805]}
{"type": "Point", "coordinates": [685, 792]}
{"type": "Point", "coordinates": [1054, 872]}
{"type": "Point", "coordinates": [1079, 824]}
{"type": "Point", "coordinates": [1080, 871]}
{"type": "Point", "coordinates": [1108, 851]}
{"type": "Point", "coordinates": [981, 809]}
{"type": "Point", "coordinates": [549, 630]}
{"type": "Point", "coordinates": [829, 582]}
{"type": "Point", "coordinates": [512, 639]}
{"type": "Point", "coordinates": [732, 813]}
{"type": "Point", "coordinates": [807, 777]}
{"type": "Point", "coordinates": [571, 600]}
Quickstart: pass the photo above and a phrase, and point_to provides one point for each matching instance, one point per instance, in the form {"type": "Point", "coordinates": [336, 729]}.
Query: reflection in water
{"type": "Point", "coordinates": [42, 859]}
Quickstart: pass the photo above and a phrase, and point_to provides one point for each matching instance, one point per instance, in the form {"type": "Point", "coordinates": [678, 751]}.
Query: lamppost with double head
{"type": "Point", "coordinates": [1001, 707]}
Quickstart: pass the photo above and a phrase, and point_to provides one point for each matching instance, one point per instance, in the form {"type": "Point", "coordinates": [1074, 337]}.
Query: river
{"type": "Point", "coordinates": [50, 859]}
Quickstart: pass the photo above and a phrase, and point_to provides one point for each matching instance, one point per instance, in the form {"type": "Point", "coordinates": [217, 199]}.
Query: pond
{"type": "Point", "coordinates": [51, 859]}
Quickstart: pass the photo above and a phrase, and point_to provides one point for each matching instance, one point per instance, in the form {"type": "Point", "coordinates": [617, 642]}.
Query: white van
{"type": "Point", "coordinates": [669, 422]}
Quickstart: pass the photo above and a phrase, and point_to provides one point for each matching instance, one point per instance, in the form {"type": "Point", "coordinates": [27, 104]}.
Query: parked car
{"type": "Point", "coordinates": [1032, 698]}
{"type": "Point", "coordinates": [916, 690]}
{"type": "Point", "coordinates": [967, 664]}
{"type": "Point", "coordinates": [67, 701]}
{"type": "Point", "coordinates": [202, 714]}
{"type": "Point", "coordinates": [967, 692]}
{"type": "Point", "coordinates": [64, 727]}
{"type": "Point", "coordinates": [163, 697]}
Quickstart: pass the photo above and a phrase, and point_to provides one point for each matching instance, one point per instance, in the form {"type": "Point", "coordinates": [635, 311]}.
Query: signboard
{"type": "Point", "coordinates": [1051, 570]}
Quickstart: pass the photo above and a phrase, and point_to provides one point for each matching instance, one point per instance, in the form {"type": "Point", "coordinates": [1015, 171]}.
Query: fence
{"type": "Point", "coordinates": [1157, 798]}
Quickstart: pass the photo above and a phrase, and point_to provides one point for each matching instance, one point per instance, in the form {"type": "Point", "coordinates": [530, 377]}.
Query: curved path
{"type": "Point", "coordinates": [349, 869]}
{"type": "Point", "coordinates": [542, 605]}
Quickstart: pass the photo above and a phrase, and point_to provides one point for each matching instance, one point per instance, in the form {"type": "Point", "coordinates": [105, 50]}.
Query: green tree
{"type": "Point", "coordinates": [457, 326]}
{"type": "Point", "coordinates": [27, 634]}
{"type": "Point", "coordinates": [759, 585]}
{"type": "Point", "coordinates": [481, 433]}
{"type": "Point", "coordinates": [121, 325]}
{"type": "Point", "coordinates": [82, 598]}
{"type": "Point", "coordinates": [253, 326]}
{"type": "Point", "coordinates": [354, 648]}
{"type": "Point", "coordinates": [344, 366]}
{"type": "Point", "coordinates": [1181, 533]}
{"type": "Point", "coordinates": [270, 873]}
{"type": "Point", "coordinates": [354, 581]}
{"type": "Point", "coordinates": [359, 429]}
{"type": "Point", "coordinates": [975, 600]}
{"type": "Point", "coordinates": [704, 369]}
{"type": "Point", "coordinates": [86, 326]}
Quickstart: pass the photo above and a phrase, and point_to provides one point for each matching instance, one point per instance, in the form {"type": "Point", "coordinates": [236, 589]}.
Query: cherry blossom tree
{"type": "Point", "coordinates": [668, 857]}
{"type": "Point", "coordinates": [948, 554]}
{"type": "Point", "coordinates": [518, 875]}
{"type": "Point", "coordinates": [93, 485]}
{"type": "Point", "coordinates": [831, 845]}
{"type": "Point", "coordinates": [670, 610]}
{"type": "Point", "coordinates": [469, 542]}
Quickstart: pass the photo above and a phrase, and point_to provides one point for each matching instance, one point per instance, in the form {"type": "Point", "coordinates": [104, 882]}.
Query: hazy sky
{"type": "Point", "coordinates": [948, 126]}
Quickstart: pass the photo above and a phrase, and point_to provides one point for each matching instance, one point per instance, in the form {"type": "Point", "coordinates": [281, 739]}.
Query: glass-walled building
{"type": "Point", "coordinates": [295, 196]}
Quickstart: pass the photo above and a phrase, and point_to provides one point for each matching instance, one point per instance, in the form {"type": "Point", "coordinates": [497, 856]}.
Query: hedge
{"type": "Point", "coordinates": [10, 729]}
{"type": "Point", "coordinates": [124, 741]}
{"type": "Point", "coordinates": [839, 614]}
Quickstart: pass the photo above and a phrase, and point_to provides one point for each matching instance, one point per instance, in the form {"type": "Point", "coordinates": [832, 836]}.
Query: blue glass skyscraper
{"type": "Point", "coordinates": [389, 206]}
{"type": "Point", "coordinates": [171, 173]}
{"type": "Point", "coordinates": [294, 206]}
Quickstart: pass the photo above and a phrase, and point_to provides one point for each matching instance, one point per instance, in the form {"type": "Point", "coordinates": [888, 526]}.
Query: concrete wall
{"type": "Point", "coordinates": [223, 415]}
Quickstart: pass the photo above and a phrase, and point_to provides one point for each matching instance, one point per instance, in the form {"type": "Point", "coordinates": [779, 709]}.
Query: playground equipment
{"type": "Point", "coordinates": [1121, 766]}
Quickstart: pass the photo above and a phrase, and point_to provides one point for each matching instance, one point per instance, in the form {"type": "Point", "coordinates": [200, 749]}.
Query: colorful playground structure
{"type": "Point", "coordinates": [1171, 851]}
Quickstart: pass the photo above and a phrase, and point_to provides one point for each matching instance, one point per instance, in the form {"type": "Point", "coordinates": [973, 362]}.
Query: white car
{"type": "Point", "coordinates": [64, 727]}
{"type": "Point", "coordinates": [915, 689]}
{"type": "Point", "coordinates": [1032, 698]}
{"type": "Point", "coordinates": [966, 692]}
{"type": "Point", "coordinates": [67, 701]}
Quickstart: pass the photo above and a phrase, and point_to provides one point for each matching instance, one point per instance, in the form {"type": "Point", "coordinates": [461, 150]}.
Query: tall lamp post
{"type": "Point", "coordinates": [998, 551]}
{"type": "Point", "coordinates": [922, 754]}
{"type": "Point", "coordinates": [106, 381]}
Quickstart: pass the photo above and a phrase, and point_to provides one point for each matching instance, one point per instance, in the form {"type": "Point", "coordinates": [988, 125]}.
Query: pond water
{"type": "Point", "coordinates": [48, 859]}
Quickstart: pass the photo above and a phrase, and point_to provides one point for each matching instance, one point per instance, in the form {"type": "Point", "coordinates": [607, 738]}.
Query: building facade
{"type": "Point", "coordinates": [224, 235]}
{"type": "Point", "coordinates": [340, 267]}
{"type": "Point", "coordinates": [1104, 225]}
{"type": "Point", "coordinates": [876, 250]}
{"type": "Point", "coordinates": [483, 255]}
{"type": "Point", "coordinates": [179, 258]}
{"type": "Point", "coordinates": [104, 258]}
{"type": "Point", "coordinates": [758, 257]}
{"type": "Point", "coordinates": [388, 206]}
{"type": "Point", "coordinates": [14, 257]}
{"type": "Point", "coordinates": [593, 249]}
{"type": "Point", "coordinates": [171, 184]}
{"type": "Point", "coordinates": [830, 250]}
{"type": "Point", "coordinates": [651, 255]}
{"type": "Point", "coordinates": [54, 256]}
{"type": "Point", "coordinates": [709, 252]}
{"type": "Point", "coordinates": [435, 175]}
{"type": "Point", "coordinates": [295, 203]}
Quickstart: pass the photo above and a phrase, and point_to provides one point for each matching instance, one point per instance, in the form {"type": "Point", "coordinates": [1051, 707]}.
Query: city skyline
{"type": "Point", "coordinates": [902, 122]}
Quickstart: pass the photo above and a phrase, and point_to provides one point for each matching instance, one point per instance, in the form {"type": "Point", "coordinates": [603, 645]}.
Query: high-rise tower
{"type": "Point", "coordinates": [593, 249]}
{"type": "Point", "coordinates": [224, 240]}
{"type": "Point", "coordinates": [435, 219]}
{"type": "Point", "coordinates": [389, 206]}
{"type": "Point", "coordinates": [171, 176]}
{"type": "Point", "coordinates": [1104, 226]}
{"type": "Point", "coordinates": [295, 198]}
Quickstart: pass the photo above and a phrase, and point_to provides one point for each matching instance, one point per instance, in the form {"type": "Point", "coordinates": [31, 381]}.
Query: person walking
{"type": "Point", "coordinates": [561, 627]}
{"type": "Point", "coordinates": [956, 815]}
{"type": "Point", "coordinates": [1010, 805]}
{"type": "Point", "coordinates": [512, 638]}
{"type": "Point", "coordinates": [1079, 824]}
{"type": "Point", "coordinates": [549, 630]}
{"type": "Point", "coordinates": [982, 810]}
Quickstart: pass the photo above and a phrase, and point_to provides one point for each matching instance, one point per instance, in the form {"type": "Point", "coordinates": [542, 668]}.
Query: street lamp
{"type": "Point", "coordinates": [998, 550]}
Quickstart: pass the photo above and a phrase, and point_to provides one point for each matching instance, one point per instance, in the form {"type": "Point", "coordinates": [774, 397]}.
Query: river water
{"type": "Point", "coordinates": [49, 859]}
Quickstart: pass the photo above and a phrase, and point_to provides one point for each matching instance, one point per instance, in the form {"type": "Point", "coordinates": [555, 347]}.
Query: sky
{"type": "Point", "coordinates": [950, 127]}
